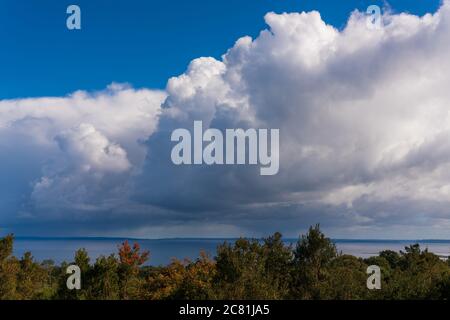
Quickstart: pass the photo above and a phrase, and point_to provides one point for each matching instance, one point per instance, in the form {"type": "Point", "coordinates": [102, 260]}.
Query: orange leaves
{"type": "Point", "coordinates": [131, 256]}
{"type": "Point", "coordinates": [183, 279]}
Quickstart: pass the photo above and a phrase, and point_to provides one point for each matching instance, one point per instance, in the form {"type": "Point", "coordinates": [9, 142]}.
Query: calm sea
{"type": "Point", "coordinates": [162, 251]}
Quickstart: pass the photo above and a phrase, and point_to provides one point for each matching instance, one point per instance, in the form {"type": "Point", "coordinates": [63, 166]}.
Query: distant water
{"type": "Point", "coordinates": [162, 251]}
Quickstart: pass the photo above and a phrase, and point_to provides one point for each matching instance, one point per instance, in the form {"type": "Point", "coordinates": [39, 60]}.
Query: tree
{"type": "Point", "coordinates": [346, 279]}
{"type": "Point", "coordinates": [245, 269]}
{"type": "Point", "coordinates": [388, 263]}
{"type": "Point", "coordinates": [250, 269]}
{"type": "Point", "coordinates": [197, 280]}
{"type": "Point", "coordinates": [31, 278]}
{"type": "Point", "coordinates": [105, 279]}
{"type": "Point", "coordinates": [131, 259]}
{"type": "Point", "coordinates": [82, 260]}
{"type": "Point", "coordinates": [183, 280]}
{"type": "Point", "coordinates": [418, 275]}
{"type": "Point", "coordinates": [9, 268]}
{"type": "Point", "coordinates": [6, 247]}
{"type": "Point", "coordinates": [392, 257]}
{"type": "Point", "coordinates": [278, 263]}
{"type": "Point", "coordinates": [312, 257]}
{"type": "Point", "coordinates": [164, 283]}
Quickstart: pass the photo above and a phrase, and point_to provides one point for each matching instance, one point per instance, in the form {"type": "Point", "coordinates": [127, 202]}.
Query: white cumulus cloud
{"type": "Point", "coordinates": [364, 129]}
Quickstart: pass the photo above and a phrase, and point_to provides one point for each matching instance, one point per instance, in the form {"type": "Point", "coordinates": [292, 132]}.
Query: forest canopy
{"type": "Point", "coordinates": [246, 269]}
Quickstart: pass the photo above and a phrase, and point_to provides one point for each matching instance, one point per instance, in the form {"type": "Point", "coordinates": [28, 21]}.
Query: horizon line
{"type": "Point", "coordinates": [214, 238]}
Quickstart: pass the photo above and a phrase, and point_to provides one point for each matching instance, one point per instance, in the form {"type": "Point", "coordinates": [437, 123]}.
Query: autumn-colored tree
{"type": "Point", "coordinates": [183, 280]}
{"type": "Point", "coordinates": [164, 282]}
{"type": "Point", "coordinates": [245, 269]}
{"type": "Point", "coordinates": [131, 259]}
{"type": "Point", "coordinates": [131, 256]}
{"type": "Point", "coordinates": [199, 279]}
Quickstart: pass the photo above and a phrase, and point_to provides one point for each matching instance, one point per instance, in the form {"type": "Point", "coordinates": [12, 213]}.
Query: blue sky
{"type": "Point", "coordinates": [86, 117]}
{"type": "Point", "coordinates": [136, 41]}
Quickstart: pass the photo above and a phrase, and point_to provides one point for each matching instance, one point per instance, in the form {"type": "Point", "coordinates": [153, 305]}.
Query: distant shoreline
{"type": "Point", "coordinates": [230, 239]}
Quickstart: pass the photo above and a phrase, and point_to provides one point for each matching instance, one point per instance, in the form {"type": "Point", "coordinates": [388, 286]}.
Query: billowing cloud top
{"type": "Point", "coordinates": [364, 140]}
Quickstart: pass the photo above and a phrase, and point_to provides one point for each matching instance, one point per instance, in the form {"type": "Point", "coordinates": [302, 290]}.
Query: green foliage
{"type": "Point", "coordinates": [105, 279]}
{"type": "Point", "coordinates": [20, 279]}
{"type": "Point", "coordinates": [419, 275]}
{"type": "Point", "coordinates": [245, 269]}
{"type": "Point", "coordinates": [9, 268]}
{"type": "Point", "coordinates": [312, 259]}
{"type": "Point", "coordinates": [31, 278]}
{"type": "Point", "coordinates": [345, 280]}
{"type": "Point", "coordinates": [251, 268]}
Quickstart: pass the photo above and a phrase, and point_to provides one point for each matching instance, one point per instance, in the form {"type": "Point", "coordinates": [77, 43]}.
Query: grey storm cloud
{"type": "Point", "coordinates": [363, 116]}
